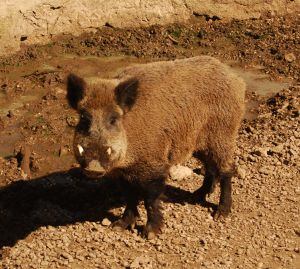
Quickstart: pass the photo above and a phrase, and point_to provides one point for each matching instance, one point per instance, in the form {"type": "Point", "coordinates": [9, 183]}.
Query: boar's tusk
{"type": "Point", "coordinates": [108, 151]}
{"type": "Point", "coordinates": [80, 149]}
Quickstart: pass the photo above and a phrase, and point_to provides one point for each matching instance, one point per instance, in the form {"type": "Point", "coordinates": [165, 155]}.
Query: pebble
{"type": "Point", "coordinates": [264, 170]}
{"type": "Point", "coordinates": [278, 149]}
{"type": "Point", "coordinates": [106, 222]}
{"type": "Point", "coordinates": [290, 57]}
{"type": "Point", "coordinates": [263, 152]}
{"type": "Point", "coordinates": [67, 256]}
{"type": "Point", "coordinates": [10, 114]}
{"type": "Point", "coordinates": [179, 172]}
{"type": "Point", "coordinates": [72, 121]}
{"type": "Point", "coordinates": [260, 265]}
{"type": "Point", "coordinates": [141, 262]}
{"type": "Point", "coordinates": [241, 172]}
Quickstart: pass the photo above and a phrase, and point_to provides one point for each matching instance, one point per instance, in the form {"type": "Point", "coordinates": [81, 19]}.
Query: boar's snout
{"type": "Point", "coordinates": [94, 169]}
{"type": "Point", "coordinates": [95, 160]}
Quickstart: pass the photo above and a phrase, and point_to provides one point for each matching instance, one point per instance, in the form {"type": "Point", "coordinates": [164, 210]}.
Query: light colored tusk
{"type": "Point", "coordinates": [80, 149]}
{"type": "Point", "coordinates": [108, 151]}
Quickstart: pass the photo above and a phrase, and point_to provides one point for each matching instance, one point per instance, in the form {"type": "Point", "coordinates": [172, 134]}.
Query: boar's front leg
{"type": "Point", "coordinates": [210, 178]}
{"type": "Point", "coordinates": [152, 194]}
{"type": "Point", "coordinates": [131, 213]}
{"type": "Point", "coordinates": [225, 197]}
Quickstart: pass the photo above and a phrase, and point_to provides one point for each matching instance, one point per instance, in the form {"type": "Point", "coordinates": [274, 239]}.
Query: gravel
{"type": "Point", "coordinates": [62, 220]}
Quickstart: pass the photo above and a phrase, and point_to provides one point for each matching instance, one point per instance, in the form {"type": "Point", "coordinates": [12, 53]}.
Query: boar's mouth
{"type": "Point", "coordinates": [94, 169]}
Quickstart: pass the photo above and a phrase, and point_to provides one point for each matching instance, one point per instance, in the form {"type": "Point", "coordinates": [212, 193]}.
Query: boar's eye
{"type": "Point", "coordinates": [85, 121]}
{"type": "Point", "coordinates": [113, 120]}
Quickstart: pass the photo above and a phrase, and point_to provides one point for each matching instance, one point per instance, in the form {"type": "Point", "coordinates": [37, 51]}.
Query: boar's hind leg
{"type": "Point", "coordinates": [153, 191]}
{"type": "Point", "coordinates": [131, 213]}
{"type": "Point", "coordinates": [210, 177]}
{"type": "Point", "coordinates": [224, 207]}
{"type": "Point", "coordinates": [218, 167]}
{"type": "Point", "coordinates": [225, 168]}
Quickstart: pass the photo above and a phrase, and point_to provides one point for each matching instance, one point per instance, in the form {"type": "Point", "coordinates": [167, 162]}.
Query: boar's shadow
{"type": "Point", "coordinates": [63, 198]}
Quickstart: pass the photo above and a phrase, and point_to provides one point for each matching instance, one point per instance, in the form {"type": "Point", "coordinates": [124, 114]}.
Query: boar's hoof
{"type": "Point", "coordinates": [222, 212]}
{"type": "Point", "coordinates": [121, 225]}
{"type": "Point", "coordinates": [202, 193]}
{"type": "Point", "coordinates": [149, 232]}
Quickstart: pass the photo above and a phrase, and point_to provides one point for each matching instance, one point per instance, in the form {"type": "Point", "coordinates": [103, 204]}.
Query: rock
{"type": "Point", "coordinates": [141, 262]}
{"type": "Point", "coordinates": [23, 157]}
{"type": "Point", "coordinates": [106, 222]}
{"type": "Point", "coordinates": [241, 172]}
{"type": "Point", "coordinates": [264, 170]}
{"type": "Point", "coordinates": [263, 152]}
{"type": "Point", "coordinates": [240, 251]}
{"type": "Point", "coordinates": [72, 121]}
{"type": "Point", "coordinates": [67, 256]}
{"type": "Point", "coordinates": [260, 265]}
{"type": "Point", "coordinates": [179, 172]}
{"type": "Point", "coordinates": [290, 57]}
{"type": "Point", "coordinates": [10, 114]}
{"type": "Point", "coordinates": [278, 149]}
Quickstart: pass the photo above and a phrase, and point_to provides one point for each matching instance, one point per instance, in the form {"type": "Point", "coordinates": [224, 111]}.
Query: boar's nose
{"type": "Point", "coordinates": [95, 166]}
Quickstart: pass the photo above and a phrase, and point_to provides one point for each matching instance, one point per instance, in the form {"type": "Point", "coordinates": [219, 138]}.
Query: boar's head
{"type": "Point", "coordinates": [100, 142]}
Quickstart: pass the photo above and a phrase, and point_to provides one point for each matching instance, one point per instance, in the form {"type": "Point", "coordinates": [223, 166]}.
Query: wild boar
{"type": "Point", "coordinates": [152, 116]}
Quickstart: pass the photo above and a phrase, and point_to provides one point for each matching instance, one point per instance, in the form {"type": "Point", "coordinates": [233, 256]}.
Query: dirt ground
{"type": "Point", "coordinates": [53, 217]}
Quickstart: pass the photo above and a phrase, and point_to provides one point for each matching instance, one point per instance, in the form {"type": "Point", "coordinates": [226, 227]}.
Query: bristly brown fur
{"type": "Point", "coordinates": [99, 97]}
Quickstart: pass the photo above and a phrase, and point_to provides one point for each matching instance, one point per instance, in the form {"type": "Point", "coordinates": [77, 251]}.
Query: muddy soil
{"type": "Point", "coordinates": [53, 217]}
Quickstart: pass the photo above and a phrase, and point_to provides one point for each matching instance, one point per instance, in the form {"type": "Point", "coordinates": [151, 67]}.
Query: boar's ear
{"type": "Point", "coordinates": [75, 90]}
{"type": "Point", "coordinates": [126, 93]}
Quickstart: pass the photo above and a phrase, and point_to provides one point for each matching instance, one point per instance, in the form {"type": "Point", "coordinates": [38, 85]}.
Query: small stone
{"type": "Point", "coordinates": [278, 149]}
{"type": "Point", "coordinates": [67, 256]}
{"type": "Point", "coordinates": [264, 170]}
{"type": "Point", "coordinates": [80, 257]}
{"type": "Point", "coordinates": [10, 114]}
{"type": "Point", "coordinates": [72, 121]}
{"type": "Point", "coordinates": [290, 57]}
{"type": "Point", "coordinates": [241, 172]}
{"type": "Point", "coordinates": [44, 263]}
{"type": "Point", "coordinates": [263, 152]}
{"type": "Point", "coordinates": [179, 172]}
{"type": "Point", "coordinates": [239, 251]}
{"type": "Point", "coordinates": [106, 222]}
{"type": "Point", "coordinates": [260, 265]}
{"type": "Point", "coordinates": [24, 162]}
{"type": "Point", "coordinates": [141, 262]}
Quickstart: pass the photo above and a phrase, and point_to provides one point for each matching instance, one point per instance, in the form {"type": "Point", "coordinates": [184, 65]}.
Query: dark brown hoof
{"type": "Point", "coordinates": [121, 225]}
{"type": "Point", "coordinates": [222, 212]}
{"type": "Point", "coordinates": [150, 231]}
